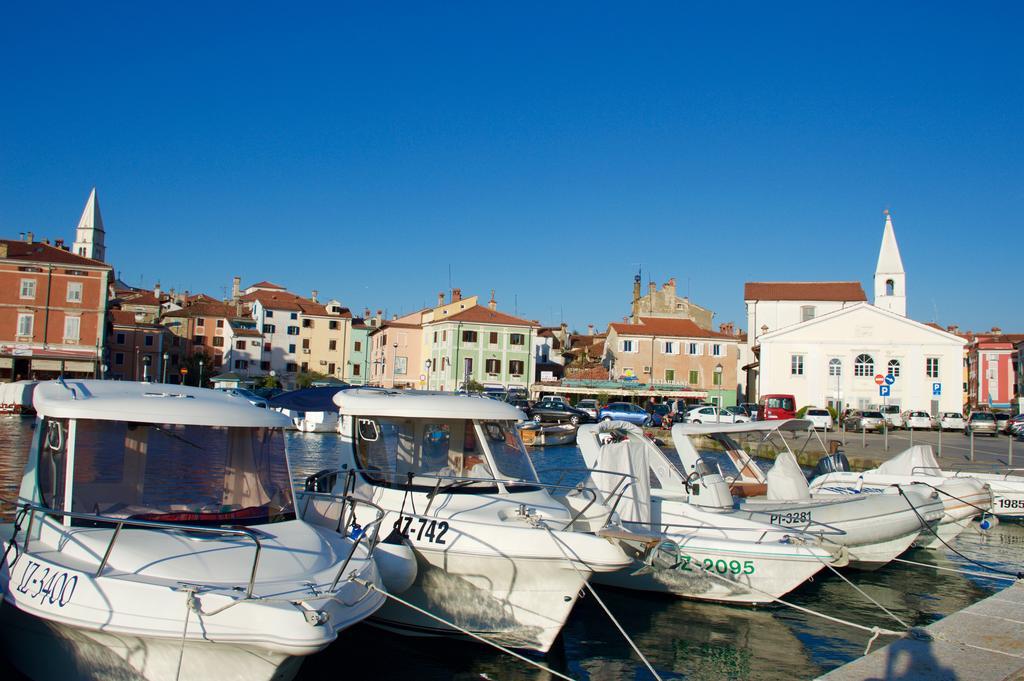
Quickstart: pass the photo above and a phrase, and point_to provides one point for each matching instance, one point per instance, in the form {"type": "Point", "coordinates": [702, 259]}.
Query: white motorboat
{"type": "Point", "coordinates": [538, 435]}
{"type": "Point", "coordinates": [680, 543]}
{"type": "Point", "coordinates": [1007, 489]}
{"type": "Point", "coordinates": [316, 421]}
{"type": "Point", "coordinates": [963, 498]}
{"type": "Point", "coordinates": [496, 552]}
{"type": "Point", "coordinates": [156, 537]}
{"type": "Point", "coordinates": [874, 528]}
{"type": "Point", "coordinates": [16, 397]}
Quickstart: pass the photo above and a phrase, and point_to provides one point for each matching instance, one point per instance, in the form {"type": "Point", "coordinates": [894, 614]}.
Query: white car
{"type": "Point", "coordinates": [918, 420]}
{"type": "Point", "coordinates": [589, 406]}
{"type": "Point", "coordinates": [821, 419]}
{"type": "Point", "coordinates": [949, 420]}
{"type": "Point", "coordinates": [891, 412]}
{"type": "Point", "coordinates": [709, 414]}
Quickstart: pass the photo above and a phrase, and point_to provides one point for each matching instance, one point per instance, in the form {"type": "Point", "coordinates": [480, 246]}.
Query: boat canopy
{"type": "Point", "coordinates": [161, 403]}
{"type": "Point", "coordinates": [917, 460]}
{"type": "Point", "coordinates": [306, 399]}
{"type": "Point", "coordinates": [411, 404]}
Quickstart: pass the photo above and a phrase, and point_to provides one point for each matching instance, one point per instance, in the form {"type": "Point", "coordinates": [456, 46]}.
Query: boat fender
{"type": "Point", "coordinates": [988, 522]}
{"type": "Point", "coordinates": [396, 563]}
{"type": "Point", "coordinates": [860, 485]}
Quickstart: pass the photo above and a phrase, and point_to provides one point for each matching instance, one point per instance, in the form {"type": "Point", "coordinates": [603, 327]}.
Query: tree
{"type": "Point", "coordinates": [305, 378]}
{"type": "Point", "coordinates": [193, 371]}
{"type": "Point", "coordinates": [267, 381]}
{"type": "Point", "coordinates": [474, 386]}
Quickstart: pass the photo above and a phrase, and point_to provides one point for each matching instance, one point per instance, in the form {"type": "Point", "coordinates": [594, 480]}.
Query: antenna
{"type": "Point", "coordinates": [449, 276]}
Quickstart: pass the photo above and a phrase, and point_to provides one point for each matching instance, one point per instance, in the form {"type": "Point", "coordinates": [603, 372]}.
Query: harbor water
{"type": "Point", "coordinates": [682, 639]}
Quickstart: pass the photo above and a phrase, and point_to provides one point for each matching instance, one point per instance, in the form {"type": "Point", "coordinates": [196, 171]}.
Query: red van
{"type": "Point", "coordinates": [776, 407]}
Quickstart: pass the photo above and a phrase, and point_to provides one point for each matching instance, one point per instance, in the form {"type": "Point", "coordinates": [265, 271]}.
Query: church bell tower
{"type": "Point", "coordinates": [890, 279]}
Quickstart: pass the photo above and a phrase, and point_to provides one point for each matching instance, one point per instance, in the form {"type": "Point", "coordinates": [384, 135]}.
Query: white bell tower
{"type": "Point", "coordinates": [89, 234]}
{"type": "Point", "coordinates": [890, 279]}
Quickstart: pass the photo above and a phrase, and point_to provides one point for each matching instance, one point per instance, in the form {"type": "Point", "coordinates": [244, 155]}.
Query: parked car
{"type": "Point", "coordinates": [751, 409]}
{"type": "Point", "coordinates": [891, 412]}
{"type": "Point", "coordinates": [821, 418]}
{"type": "Point", "coordinates": [918, 420]}
{"type": "Point", "coordinates": [1002, 422]}
{"type": "Point", "coordinates": [706, 414]}
{"type": "Point", "coordinates": [520, 403]}
{"type": "Point", "coordinates": [981, 422]}
{"type": "Point", "coordinates": [738, 411]}
{"type": "Point", "coordinates": [254, 399]}
{"type": "Point", "coordinates": [1016, 425]}
{"type": "Point", "coordinates": [662, 415]}
{"type": "Point", "coordinates": [557, 411]}
{"type": "Point", "coordinates": [624, 411]}
{"type": "Point", "coordinates": [864, 420]}
{"type": "Point", "coordinates": [772, 407]}
{"type": "Point", "coordinates": [949, 420]}
{"type": "Point", "coordinates": [589, 406]}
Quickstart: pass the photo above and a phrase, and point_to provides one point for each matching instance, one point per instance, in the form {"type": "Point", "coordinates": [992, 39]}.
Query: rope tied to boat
{"type": "Point", "coordinates": [865, 595]}
{"type": "Point", "coordinates": [1015, 575]}
{"type": "Point", "coordinates": [370, 586]}
{"type": "Point", "coordinates": [190, 591]}
{"type": "Point", "coordinates": [13, 543]}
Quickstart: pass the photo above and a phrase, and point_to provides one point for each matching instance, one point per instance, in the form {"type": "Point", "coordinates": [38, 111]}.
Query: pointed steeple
{"type": "Point", "coordinates": [89, 235]}
{"type": "Point", "coordinates": [890, 279]}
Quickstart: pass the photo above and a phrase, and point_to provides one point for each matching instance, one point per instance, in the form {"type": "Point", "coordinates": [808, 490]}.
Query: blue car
{"type": "Point", "coordinates": [624, 411]}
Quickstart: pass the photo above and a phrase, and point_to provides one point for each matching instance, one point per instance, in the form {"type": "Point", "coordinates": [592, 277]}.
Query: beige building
{"type": "Point", "coordinates": [675, 352]}
{"type": "Point", "coordinates": [396, 355]}
{"type": "Point", "coordinates": [323, 336]}
{"type": "Point", "coordinates": [666, 303]}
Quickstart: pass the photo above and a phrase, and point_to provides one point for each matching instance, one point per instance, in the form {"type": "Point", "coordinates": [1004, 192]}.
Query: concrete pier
{"type": "Point", "coordinates": [983, 642]}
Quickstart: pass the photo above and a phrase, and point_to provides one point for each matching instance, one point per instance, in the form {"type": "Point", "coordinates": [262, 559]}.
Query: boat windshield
{"type": "Point", "coordinates": [389, 450]}
{"type": "Point", "coordinates": [194, 475]}
{"type": "Point", "coordinates": [728, 450]}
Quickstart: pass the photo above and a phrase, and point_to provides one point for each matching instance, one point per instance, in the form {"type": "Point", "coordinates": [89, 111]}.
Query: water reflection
{"type": "Point", "coordinates": [683, 639]}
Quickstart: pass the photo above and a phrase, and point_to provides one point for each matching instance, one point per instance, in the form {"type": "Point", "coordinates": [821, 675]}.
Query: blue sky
{"type": "Point", "coordinates": [543, 151]}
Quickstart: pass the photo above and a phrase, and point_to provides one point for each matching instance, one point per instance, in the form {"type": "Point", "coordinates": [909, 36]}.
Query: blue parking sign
{"type": "Point", "coordinates": [936, 389]}
{"type": "Point", "coordinates": [883, 391]}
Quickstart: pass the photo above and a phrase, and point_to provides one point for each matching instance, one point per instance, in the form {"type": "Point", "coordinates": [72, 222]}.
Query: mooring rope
{"type": "Point", "coordinates": [957, 570]}
{"type": "Point", "coordinates": [864, 594]}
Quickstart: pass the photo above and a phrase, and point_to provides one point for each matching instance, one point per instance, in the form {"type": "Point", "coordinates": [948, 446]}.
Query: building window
{"type": "Point", "coordinates": [265, 366]}
{"type": "Point", "coordinates": [269, 328]}
{"type": "Point", "coordinates": [199, 340]}
{"type": "Point", "coordinates": [28, 289]}
{"type": "Point", "coordinates": [796, 365]}
{"type": "Point", "coordinates": [304, 367]}
{"type": "Point", "coordinates": [357, 346]}
{"type": "Point", "coordinates": [493, 338]}
{"type": "Point", "coordinates": [268, 313]}
{"type": "Point", "coordinates": [893, 368]}
{"type": "Point", "coordinates": [305, 344]}
{"type": "Point", "coordinates": [890, 287]}
{"type": "Point", "coordinates": [332, 345]}
{"type": "Point", "coordinates": [254, 344]}
{"type": "Point", "coordinates": [716, 349]}
{"type": "Point", "coordinates": [716, 378]}
{"type": "Point", "coordinates": [119, 358]}
{"type": "Point", "coordinates": [468, 363]}
{"type": "Point", "coordinates": [694, 377]}
{"type": "Point", "coordinates": [356, 369]}
{"type": "Point", "coordinates": [293, 331]}
{"type": "Point", "coordinates": [435, 337]}
{"type": "Point", "coordinates": [670, 348]}
{"type": "Point", "coordinates": [200, 321]}
{"type": "Point", "coordinates": [515, 367]}
{"type": "Point", "coordinates": [240, 345]}
{"type": "Point", "coordinates": [307, 323]}
{"type": "Point", "coordinates": [806, 312]}
{"type": "Point", "coordinates": [516, 339]}
{"type": "Point", "coordinates": [670, 375]}
{"type": "Point", "coordinates": [835, 367]}
{"type": "Point", "coordinates": [120, 339]}
{"type": "Point", "coordinates": [333, 325]}
{"type": "Point", "coordinates": [493, 366]}
{"type": "Point", "coordinates": [331, 368]}
{"type": "Point", "coordinates": [220, 323]}
{"type": "Point", "coordinates": [294, 315]}
{"type": "Point", "coordinates": [931, 367]}
{"type": "Point", "coordinates": [266, 347]}
{"type": "Point", "coordinates": [469, 336]}
{"type": "Point", "coordinates": [291, 367]}
{"type": "Point", "coordinates": [628, 345]}
{"type": "Point", "coordinates": [864, 365]}
{"type": "Point", "coordinates": [74, 291]}
{"type": "Point", "coordinates": [444, 336]}
{"type": "Point", "coordinates": [149, 341]}
{"type": "Point", "coordinates": [291, 348]}
{"type": "Point", "coordinates": [72, 326]}
{"type": "Point", "coordinates": [241, 364]}
{"type": "Point", "coordinates": [218, 341]}
{"type": "Point", "coordinates": [695, 349]}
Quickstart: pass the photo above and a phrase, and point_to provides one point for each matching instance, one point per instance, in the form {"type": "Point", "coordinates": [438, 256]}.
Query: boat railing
{"type": "Point", "coordinates": [967, 469]}
{"type": "Point", "coordinates": [772, 529]}
{"type": "Point", "coordinates": [617, 492]}
{"type": "Point", "coordinates": [30, 508]}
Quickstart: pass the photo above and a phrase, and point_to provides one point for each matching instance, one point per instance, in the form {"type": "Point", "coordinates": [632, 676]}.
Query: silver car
{"type": "Point", "coordinates": [864, 420]}
{"type": "Point", "coordinates": [982, 422]}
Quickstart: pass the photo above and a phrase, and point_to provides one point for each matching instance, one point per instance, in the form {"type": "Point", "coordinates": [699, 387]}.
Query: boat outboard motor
{"type": "Point", "coordinates": [321, 481]}
{"type": "Point", "coordinates": [831, 463]}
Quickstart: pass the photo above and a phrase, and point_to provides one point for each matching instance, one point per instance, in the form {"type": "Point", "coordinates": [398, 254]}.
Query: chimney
{"type": "Point", "coordinates": [625, 320]}
{"type": "Point", "coordinates": [440, 299]}
{"type": "Point", "coordinates": [59, 243]}
{"type": "Point", "coordinates": [156, 291]}
{"type": "Point", "coordinates": [670, 286]}
{"type": "Point", "coordinates": [492, 303]}
{"type": "Point", "coordinates": [590, 329]}
{"type": "Point", "coordinates": [236, 288]}
{"type": "Point", "coordinates": [394, 317]}
{"type": "Point", "coordinates": [953, 328]}
{"type": "Point", "coordinates": [28, 237]}
{"type": "Point", "coordinates": [313, 295]}
{"type": "Point", "coordinates": [456, 295]}
{"type": "Point", "coordinates": [996, 331]}
{"type": "Point", "coordinates": [726, 328]}
{"type": "Point", "coordinates": [366, 313]}
{"type": "Point", "coordinates": [651, 287]}
{"type": "Point", "coordinates": [636, 296]}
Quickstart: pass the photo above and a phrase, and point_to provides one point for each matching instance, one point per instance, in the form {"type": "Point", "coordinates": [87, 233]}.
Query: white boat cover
{"type": "Point", "coordinates": [17, 395]}
{"type": "Point", "coordinates": [625, 457]}
{"type": "Point", "coordinates": [786, 482]}
{"type": "Point", "coordinates": [917, 460]}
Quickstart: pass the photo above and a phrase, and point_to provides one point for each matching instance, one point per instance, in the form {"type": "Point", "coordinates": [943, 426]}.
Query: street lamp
{"type": "Point", "coordinates": [200, 373]}
{"type": "Point", "coordinates": [146, 361]}
{"type": "Point", "coordinates": [717, 380]}
{"type": "Point", "coordinates": [394, 362]}
{"type": "Point", "coordinates": [166, 357]}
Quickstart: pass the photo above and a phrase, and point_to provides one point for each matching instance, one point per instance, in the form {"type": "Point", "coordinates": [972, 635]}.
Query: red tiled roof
{"type": "Point", "coordinates": [266, 284]}
{"type": "Point", "coordinates": [661, 326]}
{"type": "Point", "coordinates": [40, 252]}
{"type": "Point", "coordinates": [803, 290]}
{"type": "Point", "coordinates": [140, 298]}
{"type": "Point", "coordinates": [485, 315]}
{"type": "Point", "coordinates": [394, 325]}
{"type": "Point", "coordinates": [244, 331]}
{"type": "Point", "coordinates": [204, 309]}
{"type": "Point", "coordinates": [275, 300]}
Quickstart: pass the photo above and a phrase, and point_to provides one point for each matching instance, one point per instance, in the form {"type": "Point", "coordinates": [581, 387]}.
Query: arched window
{"type": "Point", "coordinates": [864, 365]}
{"type": "Point", "coordinates": [835, 367]}
{"type": "Point", "coordinates": [894, 368]}
{"type": "Point", "coordinates": [890, 287]}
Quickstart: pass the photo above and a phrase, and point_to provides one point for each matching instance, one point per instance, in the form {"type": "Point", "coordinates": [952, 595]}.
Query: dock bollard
{"type": "Point", "coordinates": [885, 431]}
{"type": "Point", "coordinates": [940, 438]}
{"type": "Point", "coordinates": [1009, 453]}
{"type": "Point", "coordinates": [972, 445]}
{"type": "Point", "coordinates": [911, 436]}
{"type": "Point", "coordinates": [863, 443]}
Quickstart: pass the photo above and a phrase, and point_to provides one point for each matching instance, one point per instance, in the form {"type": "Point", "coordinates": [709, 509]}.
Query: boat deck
{"type": "Point", "coordinates": [982, 642]}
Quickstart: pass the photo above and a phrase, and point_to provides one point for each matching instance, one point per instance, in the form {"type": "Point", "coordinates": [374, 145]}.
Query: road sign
{"type": "Point", "coordinates": [184, 370]}
{"type": "Point", "coordinates": [879, 379]}
{"type": "Point", "coordinates": [889, 379]}
{"type": "Point", "coordinates": [883, 391]}
{"type": "Point", "coordinates": [936, 389]}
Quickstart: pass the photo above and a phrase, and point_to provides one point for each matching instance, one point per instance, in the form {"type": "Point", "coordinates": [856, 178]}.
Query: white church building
{"type": "Point", "coordinates": [823, 343]}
